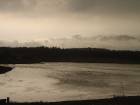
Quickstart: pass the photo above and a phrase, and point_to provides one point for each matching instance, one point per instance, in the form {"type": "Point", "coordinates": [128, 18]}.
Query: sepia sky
{"type": "Point", "coordinates": [111, 24]}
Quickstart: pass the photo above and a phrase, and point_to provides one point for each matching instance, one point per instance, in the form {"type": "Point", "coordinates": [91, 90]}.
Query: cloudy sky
{"type": "Point", "coordinates": [111, 24]}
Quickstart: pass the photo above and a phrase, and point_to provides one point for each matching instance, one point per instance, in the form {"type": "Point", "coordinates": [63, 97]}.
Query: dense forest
{"type": "Point", "coordinates": [26, 55]}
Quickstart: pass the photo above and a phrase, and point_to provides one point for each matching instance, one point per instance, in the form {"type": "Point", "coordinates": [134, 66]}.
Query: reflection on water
{"type": "Point", "coordinates": [69, 81]}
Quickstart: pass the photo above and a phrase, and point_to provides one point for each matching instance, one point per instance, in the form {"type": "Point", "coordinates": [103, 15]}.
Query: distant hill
{"type": "Point", "coordinates": [44, 54]}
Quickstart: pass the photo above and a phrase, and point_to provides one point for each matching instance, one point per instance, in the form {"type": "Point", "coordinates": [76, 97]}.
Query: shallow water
{"type": "Point", "coordinates": [69, 81]}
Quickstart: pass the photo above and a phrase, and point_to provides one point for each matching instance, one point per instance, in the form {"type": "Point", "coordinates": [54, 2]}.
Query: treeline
{"type": "Point", "coordinates": [44, 54]}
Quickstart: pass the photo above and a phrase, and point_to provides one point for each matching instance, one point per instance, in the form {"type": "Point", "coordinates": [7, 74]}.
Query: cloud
{"type": "Point", "coordinates": [118, 38]}
{"type": "Point", "coordinates": [23, 44]}
{"type": "Point", "coordinates": [81, 5]}
{"type": "Point", "coordinates": [118, 42]}
{"type": "Point", "coordinates": [31, 7]}
{"type": "Point", "coordinates": [106, 38]}
{"type": "Point", "coordinates": [105, 5]}
{"type": "Point", "coordinates": [77, 36]}
{"type": "Point", "coordinates": [12, 5]}
{"type": "Point", "coordinates": [49, 7]}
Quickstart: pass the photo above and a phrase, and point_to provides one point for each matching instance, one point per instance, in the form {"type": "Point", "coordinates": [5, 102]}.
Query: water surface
{"type": "Point", "coordinates": [69, 81]}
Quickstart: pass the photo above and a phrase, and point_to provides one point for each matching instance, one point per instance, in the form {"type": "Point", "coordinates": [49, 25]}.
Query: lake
{"type": "Point", "coordinates": [69, 81]}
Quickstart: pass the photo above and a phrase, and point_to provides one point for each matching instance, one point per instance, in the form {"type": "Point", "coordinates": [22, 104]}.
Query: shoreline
{"type": "Point", "coordinates": [118, 100]}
